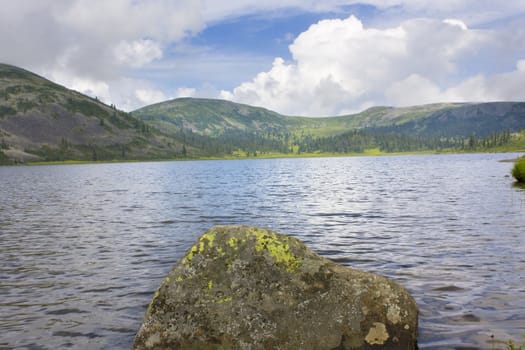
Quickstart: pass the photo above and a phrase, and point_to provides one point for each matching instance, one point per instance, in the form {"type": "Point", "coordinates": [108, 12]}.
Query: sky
{"type": "Point", "coordinates": [296, 57]}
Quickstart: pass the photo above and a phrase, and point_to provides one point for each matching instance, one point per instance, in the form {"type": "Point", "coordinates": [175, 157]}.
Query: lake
{"type": "Point", "coordinates": [83, 247]}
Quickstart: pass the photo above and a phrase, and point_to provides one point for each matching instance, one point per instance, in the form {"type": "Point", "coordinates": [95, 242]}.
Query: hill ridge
{"type": "Point", "coordinates": [42, 120]}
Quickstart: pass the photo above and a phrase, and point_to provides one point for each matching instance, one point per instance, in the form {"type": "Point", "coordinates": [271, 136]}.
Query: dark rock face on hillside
{"type": "Point", "coordinates": [241, 287]}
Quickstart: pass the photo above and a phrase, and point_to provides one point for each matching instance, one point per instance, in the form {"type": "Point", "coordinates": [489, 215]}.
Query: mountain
{"type": "Point", "coordinates": [40, 120]}
{"type": "Point", "coordinates": [210, 117]}
{"type": "Point", "coordinates": [479, 119]}
{"type": "Point", "coordinates": [217, 117]}
{"type": "Point", "coordinates": [43, 121]}
{"type": "Point", "coordinates": [242, 130]}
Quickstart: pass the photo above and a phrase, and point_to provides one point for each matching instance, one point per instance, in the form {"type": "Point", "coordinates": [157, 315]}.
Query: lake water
{"type": "Point", "coordinates": [83, 247]}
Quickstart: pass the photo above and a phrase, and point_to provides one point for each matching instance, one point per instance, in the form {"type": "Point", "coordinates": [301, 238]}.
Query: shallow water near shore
{"type": "Point", "coordinates": [83, 247]}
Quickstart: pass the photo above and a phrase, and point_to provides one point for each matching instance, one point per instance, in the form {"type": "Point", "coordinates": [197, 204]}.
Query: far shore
{"type": "Point", "coordinates": [367, 153]}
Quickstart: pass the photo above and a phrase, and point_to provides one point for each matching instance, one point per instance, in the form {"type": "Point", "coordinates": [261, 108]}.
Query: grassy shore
{"type": "Point", "coordinates": [272, 155]}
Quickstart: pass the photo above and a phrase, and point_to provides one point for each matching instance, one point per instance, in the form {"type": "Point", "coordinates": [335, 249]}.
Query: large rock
{"type": "Point", "coordinates": [241, 287]}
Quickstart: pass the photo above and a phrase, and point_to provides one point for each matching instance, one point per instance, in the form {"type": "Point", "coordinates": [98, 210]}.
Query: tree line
{"type": "Point", "coordinates": [254, 143]}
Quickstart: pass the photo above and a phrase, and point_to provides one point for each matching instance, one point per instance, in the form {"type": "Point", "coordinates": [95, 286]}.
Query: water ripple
{"type": "Point", "coordinates": [83, 247]}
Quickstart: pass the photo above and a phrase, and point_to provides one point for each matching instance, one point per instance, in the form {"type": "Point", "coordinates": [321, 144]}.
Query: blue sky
{"type": "Point", "coordinates": [247, 43]}
{"type": "Point", "coordinates": [295, 57]}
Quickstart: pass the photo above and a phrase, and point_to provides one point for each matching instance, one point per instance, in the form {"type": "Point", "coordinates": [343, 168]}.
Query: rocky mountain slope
{"type": "Point", "coordinates": [40, 120]}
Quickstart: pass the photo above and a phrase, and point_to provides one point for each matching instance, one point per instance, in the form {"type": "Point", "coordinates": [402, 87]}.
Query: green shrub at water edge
{"type": "Point", "coordinates": [519, 170]}
{"type": "Point", "coordinates": [511, 345]}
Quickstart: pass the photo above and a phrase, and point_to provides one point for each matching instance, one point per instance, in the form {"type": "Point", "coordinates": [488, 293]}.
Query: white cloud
{"type": "Point", "coordinates": [88, 43]}
{"type": "Point", "coordinates": [99, 46]}
{"type": "Point", "coordinates": [497, 87]}
{"type": "Point", "coordinates": [340, 65]}
{"type": "Point", "coordinates": [126, 93]}
{"type": "Point", "coordinates": [48, 28]}
{"type": "Point", "coordinates": [456, 22]}
{"type": "Point", "coordinates": [520, 65]}
{"type": "Point", "coordinates": [96, 27]}
{"type": "Point", "coordinates": [149, 96]}
{"type": "Point", "coordinates": [137, 53]}
{"type": "Point", "coordinates": [129, 94]}
{"type": "Point", "coordinates": [185, 92]}
{"type": "Point", "coordinates": [275, 89]}
{"type": "Point", "coordinates": [115, 20]}
{"type": "Point", "coordinates": [92, 87]}
{"type": "Point", "coordinates": [413, 90]}
{"type": "Point", "coordinates": [471, 89]}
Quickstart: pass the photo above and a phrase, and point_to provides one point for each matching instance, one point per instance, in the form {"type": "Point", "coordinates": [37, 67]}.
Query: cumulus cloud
{"type": "Point", "coordinates": [99, 46]}
{"type": "Point", "coordinates": [185, 92]}
{"type": "Point", "coordinates": [149, 96]}
{"type": "Point", "coordinates": [126, 93]}
{"type": "Point", "coordinates": [412, 90]}
{"type": "Point", "coordinates": [88, 44]}
{"type": "Point", "coordinates": [137, 53]}
{"type": "Point", "coordinates": [456, 22]}
{"type": "Point", "coordinates": [520, 66]}
{"type": "Point", "coordinates": [95, 28]}
{"type": "Point", "coordinates": [340, 65]}
{"type": "Point", "coordinates": [88, 86]}
{"type": "Point", "coordinates": [496, 87]}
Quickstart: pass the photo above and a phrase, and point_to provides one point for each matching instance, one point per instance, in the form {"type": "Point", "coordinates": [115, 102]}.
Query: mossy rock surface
{"type": "Point", "coordinates": [241, 287]}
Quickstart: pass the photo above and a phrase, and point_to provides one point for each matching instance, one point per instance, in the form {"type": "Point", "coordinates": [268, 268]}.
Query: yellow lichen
{"type": "Point", "coordinates": [155, 295]}
{"type": "Point", "coordinates": [233, 242]}
{"type": "Point", "coordinates": [183, 278]}
{"type": "Point", "coordinates": [210, 237]}
{"type": "Point", "coordinates": [277, 247]}
{"type": "Point", "coordinates": [224, 300]}
{"type": "Point", "coordinates": [210, 284]}
{"type": "Point", "coordinates": [199, 247]}
{"type": "Point", "coordinates": [187, 259]}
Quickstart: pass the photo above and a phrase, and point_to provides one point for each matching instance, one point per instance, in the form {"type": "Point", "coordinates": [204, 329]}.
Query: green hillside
{"type": "Point", "coordinates": [244, 130]}
{"type": "Point", "coordinates": [480, 119]}
{"type": "Point", "coordinates": [216, 117]}
{"type": "Point", "coordinates": [43, 121]}
{"type": "Point", "coordinates": [210, 117]}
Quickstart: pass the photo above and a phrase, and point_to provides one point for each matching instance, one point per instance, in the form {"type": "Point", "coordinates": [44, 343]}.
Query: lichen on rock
{"type": "Point", "coordinates": [242, 287]}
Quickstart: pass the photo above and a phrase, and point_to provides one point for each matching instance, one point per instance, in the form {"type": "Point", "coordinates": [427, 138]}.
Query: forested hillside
{"type": "Point", "coordinates": [226, 128]}
{"type": "Point", "coordinates": [43, 121]}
